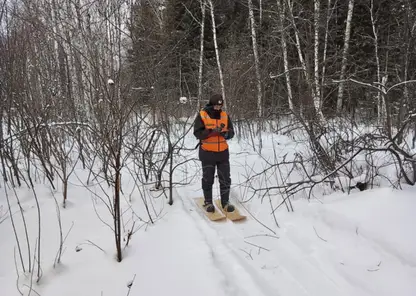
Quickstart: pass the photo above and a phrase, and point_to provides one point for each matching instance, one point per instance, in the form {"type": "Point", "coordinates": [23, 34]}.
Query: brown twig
{"type": "Point", "coordinates": [319, 235]}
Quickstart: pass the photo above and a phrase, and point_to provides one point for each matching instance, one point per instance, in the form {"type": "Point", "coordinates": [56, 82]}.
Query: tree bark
{"type": "Point", "coordinates": [309, 83]}
{"type": "Point", "coordinates": [214, 33]}
{"type": "Point", "coordinates": [317, 95]}
{"type": "Point", "coordinates": [256, 59]}
{"type": "Point", "coordinates": [117, 215]}
{"type": "Point", "coordinates": [328, 18]}
{"type": "Point", "coordinates": [281, 19]}
{"type": "Point", "coordinates": [201, 53]}
{"type": "Point", "coordinates": [344, 55]}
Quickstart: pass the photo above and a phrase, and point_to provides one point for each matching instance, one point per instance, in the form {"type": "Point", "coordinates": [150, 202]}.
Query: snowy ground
{"type": "Point", "coordinates": [360, 244]}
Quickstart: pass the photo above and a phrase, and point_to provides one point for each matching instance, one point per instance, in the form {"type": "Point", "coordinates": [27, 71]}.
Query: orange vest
{"type": "Point", "coordinates": [215, 143]}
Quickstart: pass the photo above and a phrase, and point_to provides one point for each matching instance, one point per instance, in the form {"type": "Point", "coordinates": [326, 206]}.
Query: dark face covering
{"type": "Point", "coordinates": [214, 114]}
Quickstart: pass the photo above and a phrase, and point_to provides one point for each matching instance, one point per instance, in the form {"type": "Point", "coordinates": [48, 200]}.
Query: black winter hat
{"type": "Point", "coordinates": [216, 100]}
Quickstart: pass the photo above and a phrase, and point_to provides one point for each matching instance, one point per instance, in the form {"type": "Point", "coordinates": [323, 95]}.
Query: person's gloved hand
{"type": "Point", "coordinates": [225, 135]}
{"type": "Point", "coordinates": [218, 130]}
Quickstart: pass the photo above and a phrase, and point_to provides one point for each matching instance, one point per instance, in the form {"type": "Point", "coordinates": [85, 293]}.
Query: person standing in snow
{"type": "Point", "coordinates": [213, 127]}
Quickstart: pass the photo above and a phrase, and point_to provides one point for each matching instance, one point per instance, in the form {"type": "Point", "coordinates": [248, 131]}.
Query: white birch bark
{"type": "Point", "coordinates": [201, 53]}
{"type": "Point", "coordinates": [214, 33]}
{"type": "Point", "coordinates": [328, 18]}
{"type": "Point", "coordinates": [406, 57]}
{"type": "Point", "coordinates": [281, 19]}
{"type": "Point", "coordinates": [298, 47]}
{"type": "Point", "coordinates": [373, 25]}
{"type": "Point", "coordinates": [380, 102]}
{"type": "Point", "coordinates": [256, 58]}
{"type": "Point", "coordinates": [117, 42]}
{"type": "Point", "coordinates": [109, 42]}
{"type": "Point", "coordinates": [303, 63]}
{"type": "Point", "coordinates": [217, 55]}
{"type": "Point", "coordinates": [317, 95]}
{"type": "Point", "coordinates": [344, 54]}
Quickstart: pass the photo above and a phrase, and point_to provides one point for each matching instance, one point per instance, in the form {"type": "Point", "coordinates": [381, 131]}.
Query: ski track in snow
{"type": "Point", "coordinates": [290, 261]}
{"type": "Point", "coordinates": [295, 270]}
{"type": "Point", "coordinates": [240, 279]}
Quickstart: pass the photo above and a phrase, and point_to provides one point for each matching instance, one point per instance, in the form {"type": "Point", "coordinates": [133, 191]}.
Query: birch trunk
{"type": "Point", "coordinates": [381, 104]}
{"type": "Point", "coordinates": [201, 54]}
{"type": "Point", "coordinates": [380, 108]}
{"type": "Point", "coordinates": [344, 54]}
{"type": "Point", "coordinates": [303, 64]}
{"type": "Point", "coordinates": [281, 19]}
{"type": "Point", "coordinates": [256, 59]}
{"type": "Point", "coordinates": [317, 95]}
{"type": "Point", "coordinates": [298, 47]}
{"type": "Point", "coordinates": [214, 33]}
{"type": "Point", "coordinates": [405, 100]}
{"type": "Point", "coordinates": [328, 18]}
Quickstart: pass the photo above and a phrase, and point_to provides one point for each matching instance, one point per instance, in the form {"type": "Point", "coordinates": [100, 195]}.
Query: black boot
{"type": "Point", "coordinates": [225, 203]}
{"type": "Point", "coordinates": [209, 207]}
{"type": "Point", "coordinates": [228, 207]}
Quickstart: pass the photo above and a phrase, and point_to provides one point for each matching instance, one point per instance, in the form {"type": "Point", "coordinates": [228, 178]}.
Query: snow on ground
{"type": "Point", "coordinates": [360, 244]}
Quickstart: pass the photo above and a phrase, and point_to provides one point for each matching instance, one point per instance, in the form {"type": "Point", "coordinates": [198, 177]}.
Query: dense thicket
{"type": "Point", "coordinates": [56, 42]}
{"type": "Point", "coordinates": [381, 46]}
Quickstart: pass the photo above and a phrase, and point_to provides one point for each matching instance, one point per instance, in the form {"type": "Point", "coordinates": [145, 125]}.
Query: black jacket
{"type": "Point", "coordinates": [201, 133]}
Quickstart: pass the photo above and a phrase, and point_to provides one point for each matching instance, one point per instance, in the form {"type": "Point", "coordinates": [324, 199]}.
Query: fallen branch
{"type": "Point", "coordinates": [90, 243]}
{"type": "Point", "coordinates": [31, 289]}
{"type": "Point", "coordinates": [376, 269]}
{"type": "Point", "coordinates": [257, 246]}
{"type": "Point", "coordinates": [267, 235]}
{"type": "Point", "coordinates": [130, 284]}
{"type": "Point", "coordinates": [319, 235]}
{"type": "Point", "coordinates": [257, 219]}
{"type": "Point", "coordinates": [249, 254]}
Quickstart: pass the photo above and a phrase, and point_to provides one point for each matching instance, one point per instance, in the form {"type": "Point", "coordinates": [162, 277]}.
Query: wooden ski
{"type": "Point", "coordinates": [233, 216]}
{"type": "Point", "coordinates": [216, 216]}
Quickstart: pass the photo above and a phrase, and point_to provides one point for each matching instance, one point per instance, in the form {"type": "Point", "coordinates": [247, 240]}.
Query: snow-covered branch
{"type": "Point", "coordinates": [376, 85]}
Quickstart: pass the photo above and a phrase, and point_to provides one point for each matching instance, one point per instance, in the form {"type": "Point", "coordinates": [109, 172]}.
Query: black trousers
{"type": "Point", "coordinates": [208, 174]}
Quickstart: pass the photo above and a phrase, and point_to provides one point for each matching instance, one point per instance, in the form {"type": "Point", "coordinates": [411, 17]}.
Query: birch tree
{"type": "Point", "coordinates": [405, 102]}
{"type": "Point", "coordinates": [317, 96]}
{"type": "Point", "coordinates": [381, 105]}
{"type": "Point", "coordinates": [256, 59]}
{"type": "Point", "coordinates": [345, 54]}
{"type": "Point", "coordinates": [217, 55]}
{"type": "Point", "coordinates": [328, 18]}
{"type": "Point", "coordinates": [311, 85]}
{"type": "Point", "coordinates": [201, 52]}
{"type": "Point", "coordinates": [280, 21]}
